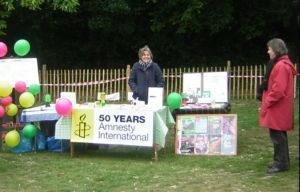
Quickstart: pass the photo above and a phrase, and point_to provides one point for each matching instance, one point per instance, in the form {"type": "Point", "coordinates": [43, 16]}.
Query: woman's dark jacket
{"type": "Point", "coordinates": [141, 78]}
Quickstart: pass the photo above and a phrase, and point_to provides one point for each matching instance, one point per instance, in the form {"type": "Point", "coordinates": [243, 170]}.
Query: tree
{"type": "Point", "coordinates": [108, 33]}
{"type": "Point", "coordinates": [8, 6]}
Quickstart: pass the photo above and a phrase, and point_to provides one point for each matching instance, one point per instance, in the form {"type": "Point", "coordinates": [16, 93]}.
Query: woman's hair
{"type": "Point", "coordinates": [145, 48]}
{"type": "Point", "coordinates": [278, 46]}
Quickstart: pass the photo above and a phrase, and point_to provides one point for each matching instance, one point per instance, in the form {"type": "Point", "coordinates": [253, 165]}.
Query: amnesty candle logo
{"type": "Point", "coordinates": [82, 125]}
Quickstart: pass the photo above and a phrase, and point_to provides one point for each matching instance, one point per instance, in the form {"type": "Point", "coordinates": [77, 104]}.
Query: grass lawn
{"type": "Point", "coordinates": [132, 169]}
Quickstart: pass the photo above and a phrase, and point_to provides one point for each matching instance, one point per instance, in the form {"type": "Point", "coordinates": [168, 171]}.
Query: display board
{"type": "Point", "coordinates": [206, 87]}
{"type": "Point", "coordinates": [206, 134]}
{"type": "Point", "coordinates": [20, 69]}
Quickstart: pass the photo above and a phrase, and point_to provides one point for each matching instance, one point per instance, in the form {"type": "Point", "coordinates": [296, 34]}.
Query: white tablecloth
{"type": "Point", "coordinates": [40, 113]}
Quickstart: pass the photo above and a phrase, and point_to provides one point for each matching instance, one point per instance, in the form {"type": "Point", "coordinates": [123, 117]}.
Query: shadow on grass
{"type": "Point", "coordinates": [115, 152]}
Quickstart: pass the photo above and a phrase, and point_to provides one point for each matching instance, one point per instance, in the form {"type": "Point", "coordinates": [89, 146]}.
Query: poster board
{"type": "Point", "coordinates": [192, 83]}
{"type": "Point", "coordinates": [19, 69]}
{"type": "Point", "coordinates": [206, 134]}
{"type": "Point", "coordinates": [206, 87]}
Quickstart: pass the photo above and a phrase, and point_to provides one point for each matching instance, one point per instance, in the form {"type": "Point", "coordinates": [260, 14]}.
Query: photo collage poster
{"type": "Point", "coordinates": [214, 134]}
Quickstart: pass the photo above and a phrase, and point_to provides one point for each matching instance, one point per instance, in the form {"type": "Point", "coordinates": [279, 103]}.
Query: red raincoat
{"type": "Point", "coordinates": [277, 107]}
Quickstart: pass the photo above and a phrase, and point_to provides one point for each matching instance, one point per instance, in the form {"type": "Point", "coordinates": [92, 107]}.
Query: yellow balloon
{"type": "Point", "coordinates": [11, 109]}
{"type": "Point", "coordinates": [12, 138]}
{"type": "Point", "coordinates": [5, 89]}
{"type": "Point", "coordinates": [26, 99]}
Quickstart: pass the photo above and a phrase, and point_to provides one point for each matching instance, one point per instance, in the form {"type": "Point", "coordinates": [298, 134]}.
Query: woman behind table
{"type": "Point", "coordinates": [277, 107]}
{"type": "Point", "coordinates": [145, 73]}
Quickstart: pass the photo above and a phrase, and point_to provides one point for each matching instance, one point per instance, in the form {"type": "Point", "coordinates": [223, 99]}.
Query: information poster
{"type": "Point", "coordinates": [216, 83]}
{"type": "Point", "coordinates": [206, 87]}
{"type": "Point", "coordinates": [206, 134]}
{"type": "Point", "coordinates": [192, 83]}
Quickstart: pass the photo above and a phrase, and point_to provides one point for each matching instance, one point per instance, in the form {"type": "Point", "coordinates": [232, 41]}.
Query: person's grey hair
{"type": "Point", "coordinates": [145, 48]}
{"type": "Point", "coordinates": [278, 46]}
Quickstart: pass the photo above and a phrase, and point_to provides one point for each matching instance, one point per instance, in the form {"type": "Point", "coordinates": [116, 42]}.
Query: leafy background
{"type": "Point", "coordinates": [108, 33]}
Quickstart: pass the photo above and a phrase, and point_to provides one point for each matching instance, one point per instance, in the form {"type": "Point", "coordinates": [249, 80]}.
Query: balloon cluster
{"type": "Point", "coordinates": [21, 48]}
{"type": "Point", "coordinates": [26, 100]}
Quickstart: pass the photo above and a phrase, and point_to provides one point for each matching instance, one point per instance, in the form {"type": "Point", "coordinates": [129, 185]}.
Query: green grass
{"type": "Point", "coordinates": [132, 169]}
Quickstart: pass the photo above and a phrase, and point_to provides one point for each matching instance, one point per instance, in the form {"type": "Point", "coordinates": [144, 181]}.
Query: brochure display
{"type": "Point", "coordinates": [206, 134]}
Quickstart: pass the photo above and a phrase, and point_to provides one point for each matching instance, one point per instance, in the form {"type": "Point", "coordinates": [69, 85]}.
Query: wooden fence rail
{"type": "Point", "coordinates": [243, 81]}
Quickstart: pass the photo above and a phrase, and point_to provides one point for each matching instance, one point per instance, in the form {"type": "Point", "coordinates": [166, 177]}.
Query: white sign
{"type": "Point", "coordinates": [69, 95]}
{"type": "Point", "coordinates": [109, 125]}
{"type": "Point", "coordinates": [122, 127]}
{"type": "Point", "coordinates": [21, 69]}
{"type": "Point", "coordinates": [155, 96]}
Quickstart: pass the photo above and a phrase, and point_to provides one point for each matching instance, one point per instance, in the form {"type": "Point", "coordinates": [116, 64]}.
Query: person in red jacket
{"type": "Point", "coordinates": [277, 106]}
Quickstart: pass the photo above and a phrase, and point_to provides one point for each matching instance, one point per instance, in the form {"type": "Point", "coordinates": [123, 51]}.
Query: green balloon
{"type": "Point", "coordinates": [29, 131]}
{"type": "Point", "coordinates": [34, 89]}
{"type": "Point", "coordinates": [22, 47]}
{"type": "Point", "coordinates": [174, 100]}
{"type": "Point", "coordinates": [47, 98]}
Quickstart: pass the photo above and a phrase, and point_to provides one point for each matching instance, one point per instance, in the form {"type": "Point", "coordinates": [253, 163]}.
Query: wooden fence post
{"type": "Point", "coordinates": [128, 70]}
{"type": "Point", "coordinates": [44, 80]}
{"type": "Point", "coordinates": [229, 78]}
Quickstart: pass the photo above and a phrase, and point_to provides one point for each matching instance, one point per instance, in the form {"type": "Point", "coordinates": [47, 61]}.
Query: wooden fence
{"type": "Point", "coordinates": [243, 81]}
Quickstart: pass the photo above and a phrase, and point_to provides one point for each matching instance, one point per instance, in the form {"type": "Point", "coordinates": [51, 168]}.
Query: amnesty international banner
{"type": "Point", "coordinates": [113, 126]}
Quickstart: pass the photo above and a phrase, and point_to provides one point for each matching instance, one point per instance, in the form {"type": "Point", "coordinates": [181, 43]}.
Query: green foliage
{"type": "Point", "coordinates": [32, 5]}
{"type": "Point", "coordinates": [106, 15]}
{"type": "Point", "coordinates": [108, 33]}
{"type": "Point", "coordinates": [255, 18]}
{"type": "Point", "coordinates": [191, 15]}
{"type": "Point", "coordinates": [8, 6]}
{"type": "Point", "coordinates": [67, 6]}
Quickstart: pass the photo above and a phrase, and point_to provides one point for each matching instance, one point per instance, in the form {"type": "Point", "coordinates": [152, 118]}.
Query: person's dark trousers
{"type": "Point", "coordinates": [281, 149]}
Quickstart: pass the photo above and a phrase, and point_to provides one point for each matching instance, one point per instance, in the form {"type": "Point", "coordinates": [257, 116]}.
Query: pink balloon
{"type": "Point", "coordinates": [63, 106]}
{"type": "Point", "coordinates": [2, 111]}
{"type": "Point", "coordinates": [6, 101]}
{"type": "Point", "coordinates": [3, 49]}
{"type": "Point", "coordinates": [20, 86]}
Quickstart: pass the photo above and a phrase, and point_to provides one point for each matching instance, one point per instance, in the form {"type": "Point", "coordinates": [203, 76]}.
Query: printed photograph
{"type": "Point", "coordinates": [214, 144]}
{"type": "Point", "coordinates": [201, 144]}
{"type": "Point", "coordinates": [214, 125]}
{"type": "Point", "coordinates": [201, 125]}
